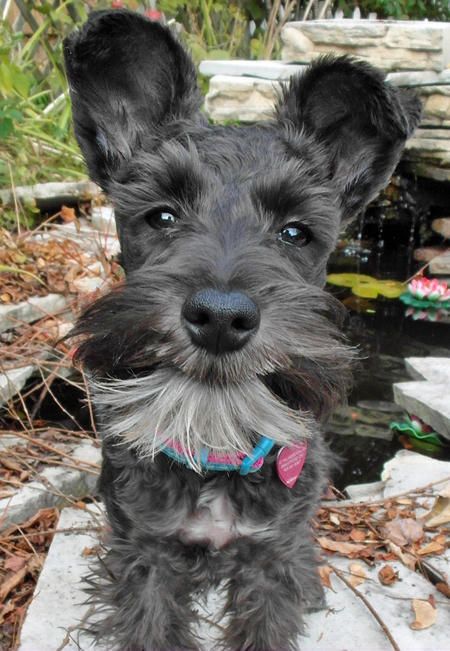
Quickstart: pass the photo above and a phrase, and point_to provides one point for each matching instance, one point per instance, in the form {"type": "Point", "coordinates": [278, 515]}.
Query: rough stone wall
{"type": "Point", "coordinates": [390, 45]}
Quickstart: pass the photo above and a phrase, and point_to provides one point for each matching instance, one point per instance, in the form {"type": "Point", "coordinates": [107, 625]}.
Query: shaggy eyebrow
{"type": "Point", "coordinates": [288, 193]}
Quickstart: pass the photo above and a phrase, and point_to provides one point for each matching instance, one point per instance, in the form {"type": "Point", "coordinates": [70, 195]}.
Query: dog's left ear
{"type": "Point", "coordinates": [360, 121]}
{"type": "Point", "coordinates": [128, 76]}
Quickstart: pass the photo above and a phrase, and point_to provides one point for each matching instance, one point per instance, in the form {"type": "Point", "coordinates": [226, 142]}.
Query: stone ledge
{"type": "Point", "coordinates": [52, 487]}
{"type": "Point", "coordinates": [31, 310]}
{"type": "Point", "coordinates": [390, 45]}
{"type": "Point", "coordinates": [52, 622]}
{"type": "Point", "coordinates": [427, 400]}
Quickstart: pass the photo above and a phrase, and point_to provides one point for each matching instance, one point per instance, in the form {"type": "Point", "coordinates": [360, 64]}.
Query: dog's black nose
{"type": "Point", "coordinates": [220, 321]}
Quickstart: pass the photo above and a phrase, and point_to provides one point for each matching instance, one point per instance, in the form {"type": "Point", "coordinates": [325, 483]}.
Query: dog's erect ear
{"type": "Point", "coordinates": [361, 122]}
{"type": "Point", "coordinates": [128, 76]}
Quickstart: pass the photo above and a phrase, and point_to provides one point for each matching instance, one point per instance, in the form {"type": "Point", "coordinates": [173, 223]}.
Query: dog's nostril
{"type": "Point", "coordinates": [220, 321]}
{"type": "Point", "coordinates": [241, 323]}
{"type": "Point", "coordinates": [199, 318]}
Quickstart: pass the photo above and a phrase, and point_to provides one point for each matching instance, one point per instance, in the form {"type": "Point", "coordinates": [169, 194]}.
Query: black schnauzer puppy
{"type": "Point", "coordinates": [213, 365]}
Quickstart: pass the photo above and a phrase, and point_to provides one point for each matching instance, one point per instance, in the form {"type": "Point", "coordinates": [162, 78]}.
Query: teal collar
{"type": "Point", "coordinates": [231, 461]}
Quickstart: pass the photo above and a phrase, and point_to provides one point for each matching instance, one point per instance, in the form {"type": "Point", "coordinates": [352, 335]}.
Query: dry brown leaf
{"type": "Point", "coordinates": [15, 563]}
{"type": "Point", "coordinates": [433, 547]}
{"type": "Point", "coordinates": [68, 214]}
{"type": "Point", "coordinates": [90, 551]}
{"type": "Point", "coordinates": [425, 614]}
{"type": "Point", "coordinates": [358, 574]}
{"type": "Point", "coordinates": [324, 573]}
{"type": "Point", "coordinates": [407, 559]}
{"type": "Point", "coordinates": [11, 582]}
{"type": "Point", "coordinates": [445, 490]}
{"type": "Point", "coordinates": [357, 535]}
{"type": "Point", "coordinates": [345, 548]}
{"type": "Point", "coordinates": [387, 575]}
{"type": "Point", "coordinates": [402, 531]}
{"type": "Point", "coordinates": [440, 513]}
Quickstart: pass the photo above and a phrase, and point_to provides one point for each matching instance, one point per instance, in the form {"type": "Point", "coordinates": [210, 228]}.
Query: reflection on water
{"type": "Point", "coordinates": [381, 244]}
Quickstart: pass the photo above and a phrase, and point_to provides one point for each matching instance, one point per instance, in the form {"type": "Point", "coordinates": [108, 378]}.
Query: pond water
{"type": "Point", "coordinates": [382, 244]}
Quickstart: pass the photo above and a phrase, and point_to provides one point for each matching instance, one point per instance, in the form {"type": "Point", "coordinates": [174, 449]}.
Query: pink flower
{"type": "Point", "coordinates": [431, 289]}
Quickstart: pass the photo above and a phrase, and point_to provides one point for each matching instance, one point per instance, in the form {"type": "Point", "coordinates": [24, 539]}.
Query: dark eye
{"type": "Point", "coordinates": [159, 219]}
{"type": "Point", "coordinates": [295, 233]}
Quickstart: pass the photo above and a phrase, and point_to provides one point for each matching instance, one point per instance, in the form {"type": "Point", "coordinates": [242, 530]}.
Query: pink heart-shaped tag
{"type": "Point", "coordinates": [290, 462]}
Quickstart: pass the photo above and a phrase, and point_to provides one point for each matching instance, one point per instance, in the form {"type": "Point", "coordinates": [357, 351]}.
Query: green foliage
{"type": "Point", "coordinates": [400, 9]}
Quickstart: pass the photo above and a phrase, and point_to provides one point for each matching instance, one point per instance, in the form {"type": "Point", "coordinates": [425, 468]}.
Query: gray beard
{"type": "Point", "coordinates": [146, 412]}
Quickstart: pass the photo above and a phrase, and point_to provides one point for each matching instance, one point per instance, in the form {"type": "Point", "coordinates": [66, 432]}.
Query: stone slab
{"type": "Point", "coordinates": [58, 606]}
{"type": "Point", "coordinates": [440, 265]}
{"type": "Point", "coordinates": [13, 381]}
{"type": "Point", "coordinates": [390, 45]}
{"type": "Point", "coordinates": [102, 219]}
{"type": "Point", "coordinates": [264, 69]}
{"type": "Point", "coordinates": [31, 310]}
{"type": "Point", "coordinates": [55, 192]}
{"type": "Point", "coordinates": [52, 487]}
{"type": "Point", "coordinates": [278, 70]}
{"type": "Point", "coordinates": [53, 618]}
{"type": "Point", "coordinates": [433, 369]}
{"type": "Point", "coordinates": [408, 471]}
{"type": "Point", "coordinates": [442, 225]}
{"type": "Point", "coordinates": [430, 401]}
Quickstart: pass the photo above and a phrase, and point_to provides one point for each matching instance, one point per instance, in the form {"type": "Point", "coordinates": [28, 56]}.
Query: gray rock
{"type": "Point", "coordinates": [13, 381]}
{"type": "Point", "coordinates": [34, 308]}
{"type": "Point", "coordinates": [52, 487]}
{"type": "Point", "coordinates": [440, 265]}
{"type": "Point", "coordinates": [102, 218]}
{"type": "Point", "coordinates": [433, 369]}
{"type": "Point", "coordinates": [442, 225]}
{"type": "Point", "coordinates": [45, 194]}
{"type": "Point", "coordinates": [274, 70]}
{"type": "Point", "coordinates": [408, 471]}
{"type": "Point", "coordinates": [57, 607]}
{"type": "Point", "coordinates": [390, 45]}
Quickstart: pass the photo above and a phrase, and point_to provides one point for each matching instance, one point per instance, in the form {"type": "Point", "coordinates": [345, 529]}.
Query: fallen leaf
{"type": "Point", "coordinates": [402, 531]}
{"type": "Point", "coordinates": [433, 547]}
{"type": "Point", "coordinates": [324, 573]}
{"type": "Point", "coordinates": [425, 614]}
{"type": "Point", "coordinates": [407, 559]}
{"type": "Point", "coordinates": [11, 582]}
{"type": "Point", "coordinates": [387, 575]}
{"type": "Point", "coordinates": [90, 551]}
{"type": "Point", "coordinates": [15, 563]}
{"type": "Point", "coordinates": [68, 214]}
{"type": "Point", "coordinates": [357, 535]}
{"type": "Point", "coordinates": [358, 574]}
{"type": "Point", "coordinates": [440, 513]}
{"type": "Point", "coordinates": [345, 548]}
{"type": "Point", "coordinates": [335, 520]}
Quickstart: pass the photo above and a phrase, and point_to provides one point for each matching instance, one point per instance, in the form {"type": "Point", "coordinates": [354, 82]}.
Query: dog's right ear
{"type": "Point", "coordinates": [128, 77]}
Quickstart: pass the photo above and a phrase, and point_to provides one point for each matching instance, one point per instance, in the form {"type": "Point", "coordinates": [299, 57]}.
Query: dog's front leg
{"type": "Point", "coordinates": [270, 589]}
{"type": "Point", "coordinates": [144, 592]}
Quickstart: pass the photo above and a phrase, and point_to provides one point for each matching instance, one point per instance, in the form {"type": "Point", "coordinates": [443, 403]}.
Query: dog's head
{"type": "Point", "coordinates": [222, 329]}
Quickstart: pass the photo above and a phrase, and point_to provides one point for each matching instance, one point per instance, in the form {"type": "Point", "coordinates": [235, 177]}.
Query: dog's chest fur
{"type": "Point", "coordinates": [214, 521]}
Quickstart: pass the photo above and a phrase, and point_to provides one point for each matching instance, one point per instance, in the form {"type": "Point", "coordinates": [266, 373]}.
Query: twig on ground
{"type": "Point", "coordinates": [368, 605]}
